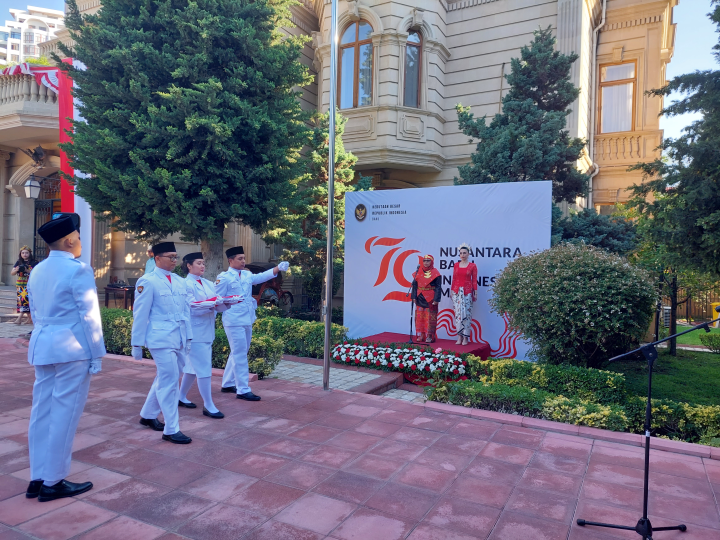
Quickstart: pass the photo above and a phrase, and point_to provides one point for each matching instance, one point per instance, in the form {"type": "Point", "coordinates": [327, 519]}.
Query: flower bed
{"type": "Point", "coordinates": [416, 362]}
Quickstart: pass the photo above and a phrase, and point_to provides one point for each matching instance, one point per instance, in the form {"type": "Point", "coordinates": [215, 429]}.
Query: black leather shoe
{"type": "Point", "coordinates": [177, 438]}
{"type": "Point", "coordinates": [187, 405]}
{"type": "Point", "coordinates": [248, 396]}
{"type": "Point", "coordinates": [63, 489]}
{"type": "Point", "coordinates": [153, 423]}
{"type": "Point", "coordinates": [228, 389]}
{"type": "Point", "coordinates": [33, 489]}
{"type": "Point", "coordinates": [213, 414]}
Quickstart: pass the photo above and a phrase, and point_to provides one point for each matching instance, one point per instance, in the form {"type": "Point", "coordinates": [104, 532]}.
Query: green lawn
{"type": "Point", "coordinates": [693, 338]}
{"type": "Point", "coordinates": [693, 377]}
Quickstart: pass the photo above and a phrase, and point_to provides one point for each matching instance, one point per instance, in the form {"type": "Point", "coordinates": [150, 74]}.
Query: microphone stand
{"type": "Point", "coordinates": [412, 305]}
{"type": "Point", "coordinates": [643, 527]}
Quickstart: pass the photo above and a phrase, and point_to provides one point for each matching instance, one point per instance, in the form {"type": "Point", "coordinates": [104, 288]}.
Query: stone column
{"type": "Point", "coordinates": [4, 178]}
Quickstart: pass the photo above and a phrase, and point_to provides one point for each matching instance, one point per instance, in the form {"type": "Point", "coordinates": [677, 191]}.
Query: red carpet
{"type": "Point", "coordinates": [478, 349]}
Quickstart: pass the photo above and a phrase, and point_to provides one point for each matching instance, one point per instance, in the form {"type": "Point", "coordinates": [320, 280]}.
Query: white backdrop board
{"type": "Point", "coordinates": [387, 231]}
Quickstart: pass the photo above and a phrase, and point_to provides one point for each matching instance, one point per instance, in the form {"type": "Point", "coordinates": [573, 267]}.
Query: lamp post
{"type": "Point", "coordinates": [331, 196]}
{"type": "Point", "coordinates": [32, 187]}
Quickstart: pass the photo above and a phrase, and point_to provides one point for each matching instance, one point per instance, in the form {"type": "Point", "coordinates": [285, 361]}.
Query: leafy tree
{"type": "Point", "coordinates": [191, 120]}
{"type": "Point", "coordinates": [303, 229]}
{"type": "Point", "coordinates": [681, 194]}
{"type": "Point", "coordinates": [613, 233]}
{"type": "Point", "coordinates": [528, 140]}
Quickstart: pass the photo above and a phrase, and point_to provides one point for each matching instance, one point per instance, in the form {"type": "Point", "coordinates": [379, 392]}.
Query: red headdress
{"type": "Point", "coordinates": [425, 275]}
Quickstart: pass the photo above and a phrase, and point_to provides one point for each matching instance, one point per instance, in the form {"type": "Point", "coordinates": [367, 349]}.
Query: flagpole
{"type": "Point", "coordinates": [331, 196]}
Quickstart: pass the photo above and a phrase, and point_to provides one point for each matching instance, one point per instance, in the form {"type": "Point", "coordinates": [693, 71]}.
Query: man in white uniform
{"type": "Point", "coordinates": [161, 322]}
{"type": "Point", "coordinates": [238, 320]}
{"type": "Point", "coordinates": [66, 348]}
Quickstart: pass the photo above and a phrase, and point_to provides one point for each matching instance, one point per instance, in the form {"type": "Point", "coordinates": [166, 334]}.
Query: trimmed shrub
{"type": "Point", "coordinates": [263, 356]}
{"type": "Point", "coordinates": [576, 304]}
{"type": "Point", "coordinates": [301, 338]}
{"type": "Point", "coordinates": [711, 341]}
{"type": "Point", "coordinates": [673, 420]}
{"type": "Point", "coordinates": [604, 387]}
{"type": "Point", "coordinates": [117, 331]}
{"type": "Point", "coordinates": [530, 402]}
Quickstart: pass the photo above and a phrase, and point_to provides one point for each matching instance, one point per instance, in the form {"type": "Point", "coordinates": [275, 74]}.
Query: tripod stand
{"type": "Point", "coordinates": [643, 527]}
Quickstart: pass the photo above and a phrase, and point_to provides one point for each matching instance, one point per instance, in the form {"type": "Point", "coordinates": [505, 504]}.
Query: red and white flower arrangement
{"type": "Point", "coordinates": [437, 364]}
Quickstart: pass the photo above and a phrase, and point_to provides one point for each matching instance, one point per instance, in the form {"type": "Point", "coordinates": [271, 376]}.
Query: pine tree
{"type": "Point", "coordinates": [191, 120]}
{"type": "Point", "coordinates": [681, 194]}
{"type": "Point", "coordinates": [613, 233]}
{"type": "Point", "coordinates": [303, 230]}
{"type": "Point", "coordinates": [528, 140]}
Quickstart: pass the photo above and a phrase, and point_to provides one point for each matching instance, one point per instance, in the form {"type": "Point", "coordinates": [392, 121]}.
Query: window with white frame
{"type": "Point", "coordinates": [413, 63]}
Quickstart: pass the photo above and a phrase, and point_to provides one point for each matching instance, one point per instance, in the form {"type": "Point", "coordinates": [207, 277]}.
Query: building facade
{"type": "Point", "coordinates": [20, 38]}
{"type": "Point", "coordinates": [403, 68]}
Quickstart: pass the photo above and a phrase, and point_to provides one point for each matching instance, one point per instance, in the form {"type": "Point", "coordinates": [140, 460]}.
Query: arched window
{"type": "Point", "coordinates": [413, 58]}
{"type": "Point", "coordinates": [356, 65]}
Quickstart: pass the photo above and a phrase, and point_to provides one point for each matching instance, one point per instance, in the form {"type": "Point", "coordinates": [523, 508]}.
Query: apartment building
{"type": "Point", "coordinates": [20, 38]}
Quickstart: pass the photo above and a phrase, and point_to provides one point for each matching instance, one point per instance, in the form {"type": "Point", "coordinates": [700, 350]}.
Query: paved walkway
{"type": "Point", "coordinates": [342, 379]}
{"type": "Point", "coordinates": [12, 330]}
{"type": "Point", "coordinates": [304, 464]}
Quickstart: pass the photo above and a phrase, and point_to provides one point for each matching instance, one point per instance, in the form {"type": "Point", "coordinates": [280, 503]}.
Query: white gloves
{"type": "Point", "coordinates": [188, 343]}
{"type": "Point", "coordinates": [137, 353]}
{"type": "Point", "coordinates": [95, 366]}
{"type": "Point", "coordinates": [283, 266]}
{"type": "Point", "coordinates": [219, 301]}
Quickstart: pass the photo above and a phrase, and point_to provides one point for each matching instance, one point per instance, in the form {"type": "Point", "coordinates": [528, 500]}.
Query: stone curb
{"type": "Point", "coordinates": [631, 439]}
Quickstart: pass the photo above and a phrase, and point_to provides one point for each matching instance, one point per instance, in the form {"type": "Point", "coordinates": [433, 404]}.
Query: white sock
{"type": "Point", "coordinates": [187, 381]}
{"type": "Point", "coordinates": [205, 392]}
{"type": "Point", "coordinates": [51, 483]}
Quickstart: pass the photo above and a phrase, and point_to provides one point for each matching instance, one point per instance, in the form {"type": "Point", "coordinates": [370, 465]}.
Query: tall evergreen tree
{"type": "Point", "coordinates": [613, 233]}
{"type": "Point", "coordinates": [681, 194]}
{"type": "Point", "coordinates": [528, 140]}
{"type": "Point", "coordinates": [191, 120]}
{"type": "Point", "coordinates": [303, 229]}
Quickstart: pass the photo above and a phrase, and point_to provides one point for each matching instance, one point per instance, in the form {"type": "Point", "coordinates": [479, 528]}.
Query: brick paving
{"type": "Point", "coordinates": [306, 464]}
{"type": "Point", "coordinates": [12, 330]}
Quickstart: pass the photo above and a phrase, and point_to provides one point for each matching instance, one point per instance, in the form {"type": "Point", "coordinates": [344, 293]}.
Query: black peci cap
{"type": "Point", "coordinates": [60, 227]}
{"type": "Point", "coordinates": [164, 247]}
{"type": "Point", "coordinates": [234, 251]}
{"type": "Point", "coordinates": [190, 257]}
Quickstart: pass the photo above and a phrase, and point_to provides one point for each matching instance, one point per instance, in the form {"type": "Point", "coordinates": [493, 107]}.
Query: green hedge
{"type": "Point", "coordinates": [589, 384]}
{"type": "Point", "coordinates": [264, 354]}
{"type": "Point", "coordinates": [711, 341]}
{"type": "Point", "coordinates": [301, 338]}
{"type": "Point", "coordinates": [680, 421]}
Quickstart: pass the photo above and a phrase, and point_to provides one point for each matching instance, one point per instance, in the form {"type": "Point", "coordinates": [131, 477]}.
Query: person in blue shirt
{"type": "Point", "coordinates": [150, 264]}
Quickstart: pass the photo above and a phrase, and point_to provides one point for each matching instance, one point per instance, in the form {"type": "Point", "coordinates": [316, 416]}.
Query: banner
{"type": "Point", "coordinates": [387, 233]}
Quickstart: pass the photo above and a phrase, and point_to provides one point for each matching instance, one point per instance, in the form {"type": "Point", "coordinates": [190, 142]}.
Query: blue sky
{"type": "Point", "coordinates": [693, 42]}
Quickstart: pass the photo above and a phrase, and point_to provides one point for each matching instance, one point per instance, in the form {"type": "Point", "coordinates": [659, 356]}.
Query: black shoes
{"type": "Point", "coordinates": [228, 389]}
{"type": "Point", "coordinates": [177, 438]}
{"type": "Point", "coordinates": [248, 396]}
{"type": "Point", "coordinates": [188, 405]}
{"type": "Point", "coordinates": [213, 414]}
{"type": "Point", "coordinates": [33, 489]}
{"type": "Point", "coordinates": [153, 423]}
{"type": "Point", "coordinates": [62, 489]}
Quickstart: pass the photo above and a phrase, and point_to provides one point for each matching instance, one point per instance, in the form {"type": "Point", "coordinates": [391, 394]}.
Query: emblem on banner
{"type": "Point", "coordinates": [360, 212]}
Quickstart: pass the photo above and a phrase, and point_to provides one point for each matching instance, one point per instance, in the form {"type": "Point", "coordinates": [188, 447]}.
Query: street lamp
{"type": "Point", "coordinates": [32, 187]}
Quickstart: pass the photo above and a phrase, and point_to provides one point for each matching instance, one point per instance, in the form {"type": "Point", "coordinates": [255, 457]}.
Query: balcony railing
{"type": "Point", "coordinates": [626, 148]}
{"type": "Point", "coordinates": [16, 88]}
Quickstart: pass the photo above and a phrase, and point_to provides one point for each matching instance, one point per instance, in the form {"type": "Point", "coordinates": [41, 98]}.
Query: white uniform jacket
{"type": "Point", "coordinates": [232, 282]}
{"type": "Point", "coordinates": [65, 310]}
{"type": "Point", "coordinates": [161, 313]}
{"type": "Point", "coordinates": [202, 318]}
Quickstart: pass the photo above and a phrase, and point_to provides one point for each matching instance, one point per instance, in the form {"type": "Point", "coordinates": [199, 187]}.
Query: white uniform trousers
{"type": "Point", "coordinates": [59, 395]}
{"type": "Point", "coordinates": [199, 360]}
{"type": "Point", "coordinates": [236, 370]}
{"type": "Point", "coordinates": [164, 392]}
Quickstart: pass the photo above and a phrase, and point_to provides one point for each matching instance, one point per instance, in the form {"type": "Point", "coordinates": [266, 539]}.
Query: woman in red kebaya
{"type": "Point", "coordinates": [464, 293]}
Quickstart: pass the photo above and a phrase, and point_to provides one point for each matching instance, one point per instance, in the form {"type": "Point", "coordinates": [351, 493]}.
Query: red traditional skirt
{"type": "Point", "coordinates": [426, 318]}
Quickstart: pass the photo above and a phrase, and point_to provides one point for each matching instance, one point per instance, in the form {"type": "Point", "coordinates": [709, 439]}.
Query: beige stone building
{"type": "Point", "coordinates": [403, 67]}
